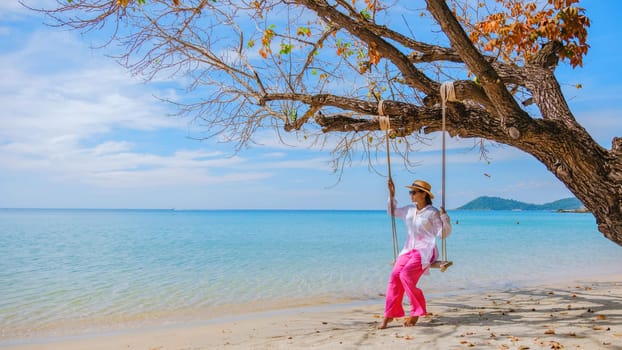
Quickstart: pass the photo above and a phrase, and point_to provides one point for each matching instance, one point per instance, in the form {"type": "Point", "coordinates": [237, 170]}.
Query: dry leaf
{"type": "Point", "coordinates": [549, 331]}
{"type": "Point", "coordinates": [556, 345]}
{"type": "Point", "coordinates": [601, 317]}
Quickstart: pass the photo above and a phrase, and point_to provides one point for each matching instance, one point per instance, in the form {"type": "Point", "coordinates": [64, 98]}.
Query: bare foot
{"type": "Point", "coordinates": [385, 323]}
{"type": "Point", "coordinates": [411, 321]}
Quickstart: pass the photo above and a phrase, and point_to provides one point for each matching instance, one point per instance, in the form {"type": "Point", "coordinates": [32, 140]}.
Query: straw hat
{"type": "Point", "coordinates": [423, 186]}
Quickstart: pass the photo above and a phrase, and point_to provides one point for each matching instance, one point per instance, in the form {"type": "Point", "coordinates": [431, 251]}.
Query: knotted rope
{"type": "Point", "coordinates": [447, 94]}
{"type": "Point", "coordinates": [385, 124]}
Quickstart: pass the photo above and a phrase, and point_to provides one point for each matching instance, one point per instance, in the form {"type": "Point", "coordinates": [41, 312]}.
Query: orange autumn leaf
{"type": "Point", "coordinates": [518, 32]}
{"type": "Point", "coordinates": [374, 55]}
{"type": "Point", "coordinates": [263, 52]}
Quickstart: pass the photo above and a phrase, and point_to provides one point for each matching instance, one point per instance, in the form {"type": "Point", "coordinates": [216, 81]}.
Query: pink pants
{"type": "Point", "coordinates": [404, 277]}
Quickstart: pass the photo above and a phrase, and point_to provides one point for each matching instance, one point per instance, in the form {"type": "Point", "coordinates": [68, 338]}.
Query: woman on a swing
{"type": "Point", "coordinates": [423, 223]}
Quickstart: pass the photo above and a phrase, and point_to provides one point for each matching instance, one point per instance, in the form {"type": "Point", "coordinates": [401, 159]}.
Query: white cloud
{"type": "Point", "coordinates": [111, 147]}
{"type": "Point", "coordinates": [59, 116]}
{"type": "Point", "coordinates": [84, 95]}
{"type": "Point", "coordinates": [171, 172]}
{"type": "Point", "coordinates": [11, 7]}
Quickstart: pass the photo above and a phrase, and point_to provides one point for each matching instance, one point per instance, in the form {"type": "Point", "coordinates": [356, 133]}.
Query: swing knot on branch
{"type": "Point", "coordinates": [385, 122]}
{"type": "Point", "coordinates": [381, 109]}
{"type": "Point", "coordinates": [448, 93]}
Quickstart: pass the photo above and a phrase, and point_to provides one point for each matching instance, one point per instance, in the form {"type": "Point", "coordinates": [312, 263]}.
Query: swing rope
{"type": "Point", "coordinates": [447, 94]}
{"type": "Point", "coordinates": [385, 124]}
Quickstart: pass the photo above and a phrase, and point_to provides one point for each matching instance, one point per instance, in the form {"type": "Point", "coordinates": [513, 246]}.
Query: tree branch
{"type": "Point", "coordinates": [411, 75]}
{"type": "Point", "coordinates": [504, 104]}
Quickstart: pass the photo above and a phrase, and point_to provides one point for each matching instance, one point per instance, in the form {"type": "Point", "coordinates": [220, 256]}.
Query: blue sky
{"type": "Point", "coordinates": [78, 131]}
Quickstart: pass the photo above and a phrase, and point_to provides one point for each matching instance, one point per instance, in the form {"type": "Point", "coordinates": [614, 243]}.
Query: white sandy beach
{"type": "Point", "coordinates": [572, 315]}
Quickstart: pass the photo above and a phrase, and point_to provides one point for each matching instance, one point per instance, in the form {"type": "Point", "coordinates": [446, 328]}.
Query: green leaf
{"type": "Point", "coordinates": [365, 13]}
{"type": "Point", "coordinates": [303, 31]}
{"type": "Point", "coordinates": [285, 49]}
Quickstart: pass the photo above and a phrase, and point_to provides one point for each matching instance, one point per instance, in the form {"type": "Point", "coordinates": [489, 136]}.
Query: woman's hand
{"type": "Point", "coordinates": [391, 188]}
{"type": "Point", "coordinates": [444, 213]}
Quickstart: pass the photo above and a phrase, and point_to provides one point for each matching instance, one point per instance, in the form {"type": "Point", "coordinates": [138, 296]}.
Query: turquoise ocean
{"type": "Point", "coordinates": [68, 272]}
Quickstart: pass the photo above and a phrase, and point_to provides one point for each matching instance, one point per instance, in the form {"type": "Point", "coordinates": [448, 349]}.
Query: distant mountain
{"type": "Point", "coordinates": [496, 203]}
{"type": "Point", "coordinates": [563, 204]}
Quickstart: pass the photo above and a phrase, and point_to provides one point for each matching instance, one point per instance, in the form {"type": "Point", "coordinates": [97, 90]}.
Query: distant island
{"type": "Point", "coordinates": [495, 203]}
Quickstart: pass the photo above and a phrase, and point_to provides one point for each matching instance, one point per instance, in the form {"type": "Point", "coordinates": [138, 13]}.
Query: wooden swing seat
{"type": "Point", "coordinates": [441, 264]}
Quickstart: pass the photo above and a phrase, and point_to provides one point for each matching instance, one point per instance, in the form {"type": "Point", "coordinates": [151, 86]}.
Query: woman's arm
{"type": "Point", "coordinates": [397, 212]}
{"type": "Point", "coordinates": [392, 208]}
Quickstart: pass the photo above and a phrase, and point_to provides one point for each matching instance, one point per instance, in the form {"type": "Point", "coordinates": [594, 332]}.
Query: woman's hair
{"type": "Point", "coordinates": [428, 200]}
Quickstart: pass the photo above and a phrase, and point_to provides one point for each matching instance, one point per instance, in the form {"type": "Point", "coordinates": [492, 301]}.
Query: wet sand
{"type": "Point", "coordinates": [571, 315]}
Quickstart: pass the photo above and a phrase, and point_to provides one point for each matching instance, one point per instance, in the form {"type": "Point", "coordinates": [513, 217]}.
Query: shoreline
{"type": "Point", "coordinates": [584, 314]}
{"type": "Point", "coordinates": [161, 319]}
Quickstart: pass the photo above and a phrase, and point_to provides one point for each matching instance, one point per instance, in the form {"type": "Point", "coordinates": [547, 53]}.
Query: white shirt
{"type": "Point", "coordinates": [423, 226]}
